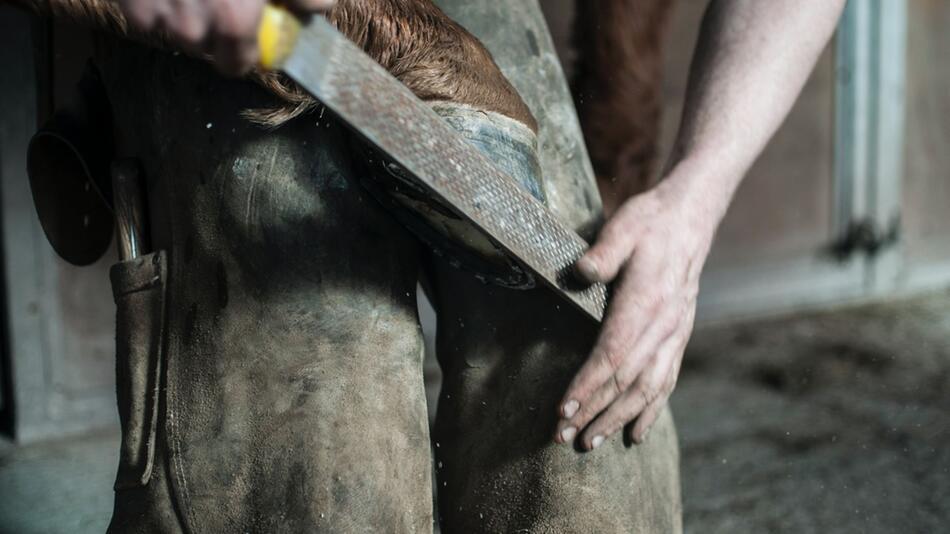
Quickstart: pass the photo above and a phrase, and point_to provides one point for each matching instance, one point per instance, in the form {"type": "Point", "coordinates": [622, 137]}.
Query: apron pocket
{"type": "Point", "coordinates": [139, 288]}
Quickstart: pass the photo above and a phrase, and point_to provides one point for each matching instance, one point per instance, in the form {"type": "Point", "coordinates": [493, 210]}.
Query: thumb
{"type": "Point", "coordinates": [613, 247]}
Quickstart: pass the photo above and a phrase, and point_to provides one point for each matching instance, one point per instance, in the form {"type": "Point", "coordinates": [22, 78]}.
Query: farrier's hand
{"type": "Point", "coordinates": [752, 60]}
{"type": "Point", "coordinates": [654, 246]}
{"type": "Point", "coordinates": [225, 29]}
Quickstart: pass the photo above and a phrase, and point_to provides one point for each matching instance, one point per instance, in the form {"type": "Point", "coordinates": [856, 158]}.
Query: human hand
{"type": "Point", "coordinates": [654, 246]}
{"type": "Point", "coordinates": [224, 29]}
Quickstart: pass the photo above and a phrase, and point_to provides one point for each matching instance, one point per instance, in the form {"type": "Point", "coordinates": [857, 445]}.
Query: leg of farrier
{"type": "Point", "coordinates": [508, 355]}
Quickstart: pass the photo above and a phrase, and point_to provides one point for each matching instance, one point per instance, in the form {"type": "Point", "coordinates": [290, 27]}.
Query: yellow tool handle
{"type": "Point", "coordinates": [276, 36]}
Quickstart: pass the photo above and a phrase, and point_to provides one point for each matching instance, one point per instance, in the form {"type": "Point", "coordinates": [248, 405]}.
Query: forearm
{"type": "Point", "coordinates": [751, 61]}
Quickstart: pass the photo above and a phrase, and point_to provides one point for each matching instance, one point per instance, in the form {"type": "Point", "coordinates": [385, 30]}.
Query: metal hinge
{"type": "Point", "coordinates": [866, 236]}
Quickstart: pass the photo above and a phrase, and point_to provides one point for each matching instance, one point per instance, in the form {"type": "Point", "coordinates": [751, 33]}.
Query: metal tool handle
{"type": "Point", "coordinates": [128, 197]}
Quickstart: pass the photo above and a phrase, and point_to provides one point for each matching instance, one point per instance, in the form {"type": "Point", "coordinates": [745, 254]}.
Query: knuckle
{"type": "Point", "coordinates": [693, 293]}
{"type": "Point", "coordinates": [584, 415]}
{"type": "Point", "coordinates": [632, 211]}
{"type": "Point", "coordinates": [644, 396]}
{"type": "Point", "coordinates": [191, 34]}
{"type": "Point", "coordinates": [649, 301]}
{"type": "Point", "coordinates": [674, 378]}
{"type": "Point", "coordinates": [142, 22]}
{"type": "Point", "coordinates": [609, 261]}
{"type": "Point", "coordinates": [624, 416]}
{"type": "Point", "coordinates": [236, 22]}
{"type": "Point", "coordinates": [192, 27]}
{"type": "Point", "coordinates": [615, 385]}
{"type": "Point", "coordinates": [606, 426]}
{"type": "Point", "coordinates": [611, 239]}
{"type": "Point", "coordinates": [228, 32]}
{"type": "Point", "coordinates": [681, 339]}
{"type": "Point", "coordinates": [669, 323]}
{"type": "Point", "coordinates": [611, 427]}
{"type": "Point", "coordinates": [613, 244]}
{"type": "Point", "coordinates": [611, 231]}
{"type": "Point", "coordinates": [669, 386]}
{"type": "Point", "coordinates": [624, 381]}
{"type": "Point", "coordinates": [649, 392]}
{"type": "Point", "coordinates": [611, 356]}
{"type": "Point", "coordinates": [595, 256]}
{"type": "Point", "coordinates": [141, 16]}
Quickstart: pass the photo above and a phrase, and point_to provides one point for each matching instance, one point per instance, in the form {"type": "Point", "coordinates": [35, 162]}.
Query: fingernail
{"type": "Point", "coordinates": [596, 442]}
{"type": "Point", "coordinates": [570, 408]}
{"type": "Point", "coordinates": [567, 435]}
{"type": "Point", "coordinates": [588, 269]}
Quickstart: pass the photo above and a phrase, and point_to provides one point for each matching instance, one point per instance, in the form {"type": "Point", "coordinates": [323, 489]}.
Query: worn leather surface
{"type": "Point", "coordinates": [139, 290]}
{"type": "Point", "coordinates": [143, 502]}
{"type": "Point", "coordinates": [507, 358]}
{"type": "Point", "coordinates": [293, 398]}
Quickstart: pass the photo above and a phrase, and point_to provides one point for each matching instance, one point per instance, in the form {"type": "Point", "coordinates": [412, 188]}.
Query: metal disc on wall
{"type": "Point", "coordinates": [68, 165]}
{"type": "Point", "coordinates": [73, 213]}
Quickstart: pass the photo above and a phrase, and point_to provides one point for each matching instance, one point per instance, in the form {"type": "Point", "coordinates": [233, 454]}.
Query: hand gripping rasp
{"type": "Point", "coordinates": [387, 115]}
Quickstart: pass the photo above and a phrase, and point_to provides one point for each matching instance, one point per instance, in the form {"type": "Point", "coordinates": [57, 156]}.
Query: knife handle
{"type": "Point", "coordinates": [276, 36]}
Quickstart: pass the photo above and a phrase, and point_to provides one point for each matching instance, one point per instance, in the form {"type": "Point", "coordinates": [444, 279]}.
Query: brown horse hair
{"type": "Point", "coordinates": [413, 39]}
{"type": "Point", "coordinates": [617, 89]}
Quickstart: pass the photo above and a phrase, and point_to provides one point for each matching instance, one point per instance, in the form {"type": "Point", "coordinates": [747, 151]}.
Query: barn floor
{"type": "Point", "coordinates": [836, 422]}
{"type": "Point", "coordinates": [833, 422]}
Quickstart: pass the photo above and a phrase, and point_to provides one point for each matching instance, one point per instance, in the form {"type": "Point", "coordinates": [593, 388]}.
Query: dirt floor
{"type": "Point", "coordinates": [836, 422]}
{"type": "Point", "coordinates": [833, 422]}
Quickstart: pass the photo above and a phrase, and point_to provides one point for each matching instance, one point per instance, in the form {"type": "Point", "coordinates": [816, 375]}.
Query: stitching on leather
{"type": "Point", "coordinates": [173, 406]}
{"type": "Point", "coordinates": [179, 468]}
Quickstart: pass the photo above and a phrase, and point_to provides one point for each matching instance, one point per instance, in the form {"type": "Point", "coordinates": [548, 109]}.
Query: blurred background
{"type": "Point", "coordinates": [815, 394]}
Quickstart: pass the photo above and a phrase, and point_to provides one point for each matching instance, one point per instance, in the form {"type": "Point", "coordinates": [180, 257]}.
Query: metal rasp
{"type": "Point", "coordinates": [387, 115]}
